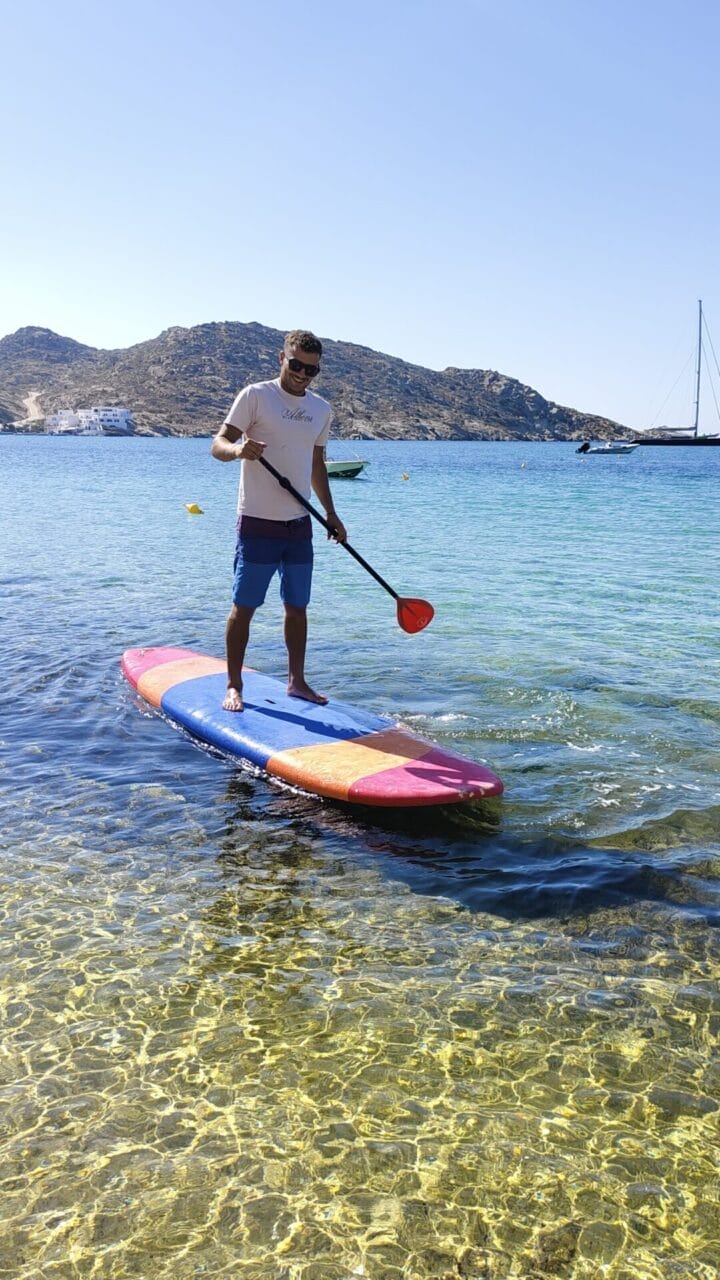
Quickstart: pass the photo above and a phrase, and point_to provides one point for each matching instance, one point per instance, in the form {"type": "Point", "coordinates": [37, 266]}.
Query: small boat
{"type": "Point", "coordinates": [346, 470]}
{"type": "Point", "coordinates": [611, 446]}
{"type": "Point", "coordinates": [688, 435]}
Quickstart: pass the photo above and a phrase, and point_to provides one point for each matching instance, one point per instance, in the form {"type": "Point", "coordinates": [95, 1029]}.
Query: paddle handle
{"type": "Point", "coordinates": [283, 480]}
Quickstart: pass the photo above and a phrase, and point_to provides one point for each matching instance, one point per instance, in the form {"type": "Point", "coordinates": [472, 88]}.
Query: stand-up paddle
{"type": "Point", "coordinates": [412, 615]}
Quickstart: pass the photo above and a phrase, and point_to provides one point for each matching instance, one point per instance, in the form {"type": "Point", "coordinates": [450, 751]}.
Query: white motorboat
{"type": "Point", "coordinates": [611, 446]}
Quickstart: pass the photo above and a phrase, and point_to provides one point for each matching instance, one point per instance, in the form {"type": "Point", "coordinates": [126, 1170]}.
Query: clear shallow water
{"type": "Point", "coordinates": [247, 1034]}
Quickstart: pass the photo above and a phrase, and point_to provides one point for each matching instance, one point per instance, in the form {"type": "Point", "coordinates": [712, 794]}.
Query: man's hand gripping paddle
{"type": "Point", "coordinates": [412, 615]}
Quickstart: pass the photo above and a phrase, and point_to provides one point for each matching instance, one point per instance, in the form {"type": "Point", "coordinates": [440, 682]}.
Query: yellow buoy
{"type": "Point", "coordinates": [194, 509]}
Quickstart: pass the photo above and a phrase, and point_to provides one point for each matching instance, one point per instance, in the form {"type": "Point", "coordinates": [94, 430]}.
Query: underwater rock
{"type": "Point", "coordinates": [555, 1248]}
{"type": "Point", "coordinates": [676, 1102]}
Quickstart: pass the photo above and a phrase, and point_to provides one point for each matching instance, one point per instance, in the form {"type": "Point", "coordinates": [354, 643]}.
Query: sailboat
{"type": "Point", "coordinates": [685, 435]}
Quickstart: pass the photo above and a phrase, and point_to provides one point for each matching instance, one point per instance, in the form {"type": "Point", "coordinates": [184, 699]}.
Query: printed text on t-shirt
{"type": "Point", "coordinates": [296, 415]}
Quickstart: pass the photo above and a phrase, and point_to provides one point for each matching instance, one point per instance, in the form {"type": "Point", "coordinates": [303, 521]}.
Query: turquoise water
{"type": "Point", "coordinates": [248, 1034]}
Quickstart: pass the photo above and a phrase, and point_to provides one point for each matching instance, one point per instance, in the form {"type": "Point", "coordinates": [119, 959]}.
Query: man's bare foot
{"type": "Point", "coordinates": [299, 689]}
{"type": "Point", "coordinates": [233, 700]}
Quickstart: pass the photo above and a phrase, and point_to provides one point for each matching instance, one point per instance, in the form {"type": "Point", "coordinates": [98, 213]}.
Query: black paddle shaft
{"type": "Point", "coordinates": [283, 480]}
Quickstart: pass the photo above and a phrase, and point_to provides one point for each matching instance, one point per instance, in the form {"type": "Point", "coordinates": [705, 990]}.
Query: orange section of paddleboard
{"type": "Point", "coordinates": [154, 682]}
{"type": "Point", "coordinates": [333, 769]}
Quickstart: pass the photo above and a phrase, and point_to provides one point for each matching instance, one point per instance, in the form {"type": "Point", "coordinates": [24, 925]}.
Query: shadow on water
{"type": "Point", "coordinates": [466, 856]}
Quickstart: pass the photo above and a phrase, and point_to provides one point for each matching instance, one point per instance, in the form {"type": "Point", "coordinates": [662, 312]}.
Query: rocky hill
{"type": "Point", "coordinates": [183, 382]}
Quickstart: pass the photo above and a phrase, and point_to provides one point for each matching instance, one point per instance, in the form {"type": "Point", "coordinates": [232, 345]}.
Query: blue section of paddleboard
{"type": "Point", "coordinates": [271, 721]}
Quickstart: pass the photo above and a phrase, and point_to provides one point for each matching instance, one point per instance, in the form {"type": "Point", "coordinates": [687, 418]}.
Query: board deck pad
{"type": "Point", "coordinates": [336, 750]}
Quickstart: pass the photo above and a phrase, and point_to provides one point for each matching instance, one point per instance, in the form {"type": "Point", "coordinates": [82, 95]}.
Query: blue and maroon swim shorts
{"type": "Point", "coordinates": [266, 547]}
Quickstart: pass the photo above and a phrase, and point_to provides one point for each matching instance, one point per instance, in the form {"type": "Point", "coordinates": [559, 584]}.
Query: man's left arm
{"type": "Point", "coordinates": [321, 486]}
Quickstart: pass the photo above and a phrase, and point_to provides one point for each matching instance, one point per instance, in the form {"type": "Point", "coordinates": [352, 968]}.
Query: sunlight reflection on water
{"type": "Point", "coordinates": [245, 1034]}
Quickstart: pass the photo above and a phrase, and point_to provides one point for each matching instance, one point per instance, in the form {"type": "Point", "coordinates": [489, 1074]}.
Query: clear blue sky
{"type": "Point", "coordinates": [531, 186]}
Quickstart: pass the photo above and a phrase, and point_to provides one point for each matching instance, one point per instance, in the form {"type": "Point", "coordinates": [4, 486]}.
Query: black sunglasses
{"type": "Point", "coordinates": [299, 366]}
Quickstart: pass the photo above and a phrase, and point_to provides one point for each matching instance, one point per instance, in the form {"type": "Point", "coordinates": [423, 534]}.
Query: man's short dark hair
{"type": "Point", "coordinates": [305, 340]}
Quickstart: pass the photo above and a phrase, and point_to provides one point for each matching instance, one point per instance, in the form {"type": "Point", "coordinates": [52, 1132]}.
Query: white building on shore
{"type": "Point", "coordinates": [100, 420]}
{"type": "Point", "coordinates": [65, 421]}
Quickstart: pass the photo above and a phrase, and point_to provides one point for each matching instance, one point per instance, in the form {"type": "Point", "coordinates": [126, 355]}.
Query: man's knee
{"type": "Point", "coordinates": [239, 613]}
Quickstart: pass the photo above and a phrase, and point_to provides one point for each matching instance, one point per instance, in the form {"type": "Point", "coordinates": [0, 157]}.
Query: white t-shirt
{"type": "Point", "coordinates": [290, 426]}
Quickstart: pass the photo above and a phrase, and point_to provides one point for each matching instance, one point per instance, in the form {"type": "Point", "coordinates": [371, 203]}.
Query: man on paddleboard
{"type": "Point", "coordinates": [274, 534]}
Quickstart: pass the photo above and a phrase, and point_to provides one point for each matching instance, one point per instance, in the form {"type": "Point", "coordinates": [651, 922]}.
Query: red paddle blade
{"type": "Point", "coordinates": [414, 615]}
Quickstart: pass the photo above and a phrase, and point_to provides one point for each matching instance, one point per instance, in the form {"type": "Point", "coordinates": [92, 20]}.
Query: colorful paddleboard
{"type": "Point", "coordinates": [336, 750]}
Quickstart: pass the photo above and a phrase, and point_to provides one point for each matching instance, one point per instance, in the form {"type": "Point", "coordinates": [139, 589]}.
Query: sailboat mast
{"type": "Point", "coordinates": [699, 361]}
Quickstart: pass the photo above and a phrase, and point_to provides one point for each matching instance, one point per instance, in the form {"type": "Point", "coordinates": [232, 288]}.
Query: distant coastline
{"type": "Point", "coordinates": [183, 382]}
{"type": "Point", "coordinates": [160, 433]}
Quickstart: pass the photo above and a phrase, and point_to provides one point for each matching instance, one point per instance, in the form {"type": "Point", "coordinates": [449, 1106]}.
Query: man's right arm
{"type": "Point", "coordinates": [225, 445]}
{"type": "Point", "coordinates": [230, 444]}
